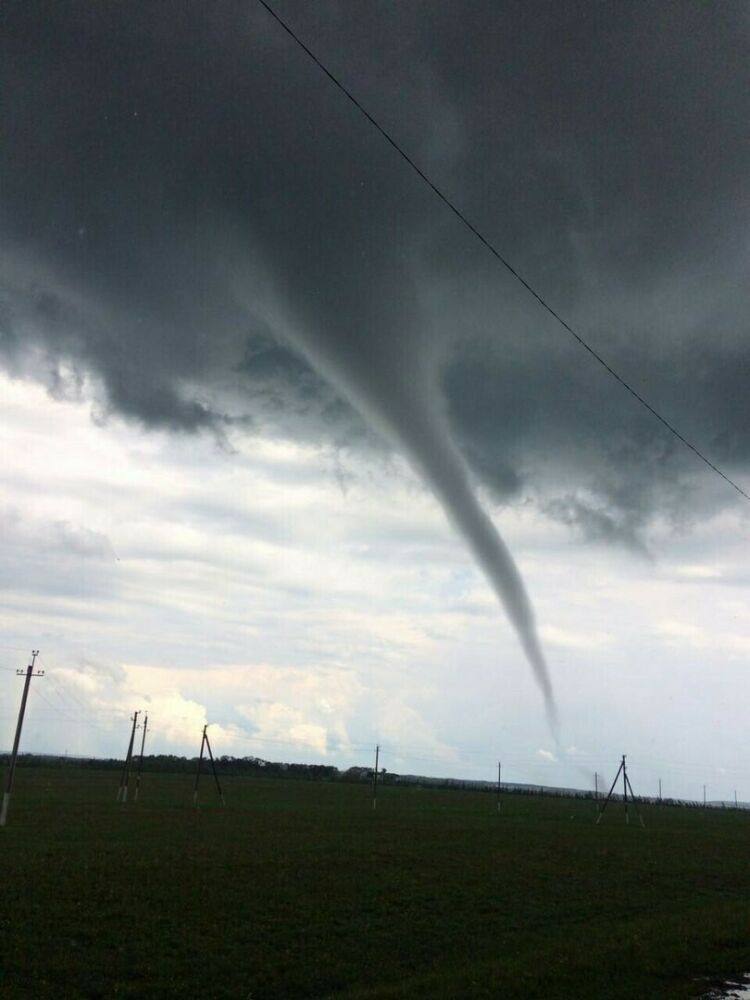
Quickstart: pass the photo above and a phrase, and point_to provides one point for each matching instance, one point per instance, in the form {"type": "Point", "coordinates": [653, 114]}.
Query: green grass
{"type": "Point", "coordinates": [297, 889]}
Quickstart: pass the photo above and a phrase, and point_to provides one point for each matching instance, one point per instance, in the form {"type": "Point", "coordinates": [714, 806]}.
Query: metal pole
{"type": "Point", "coordinates": [122, 795]}
{"type": "Point", "coordinates": [499, 779]}
{"type": "Point", "coordinates": [140, 759]}
{"type": "Point", "coordinates": [375, 778]}
{"type": "Point", "coordinates": [19, 725]}
{"type": "Point", "coordinates": [213, 768]}
{"type": "Point", "coordinates": [198, 772]}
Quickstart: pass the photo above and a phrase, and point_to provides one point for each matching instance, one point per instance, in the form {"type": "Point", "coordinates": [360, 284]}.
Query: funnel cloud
{"type": "Point", "coordinates": [390, 381]}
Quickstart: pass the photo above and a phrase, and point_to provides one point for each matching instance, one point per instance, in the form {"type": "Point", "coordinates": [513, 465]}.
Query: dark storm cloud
{"type": "Point", "coordinates": [603, 148]}
{"type": "Point", "coordinates": [196, 221]}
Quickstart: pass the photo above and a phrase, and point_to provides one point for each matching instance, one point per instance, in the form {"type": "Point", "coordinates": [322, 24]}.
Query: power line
{"type": "Point", "coordinates": [306, 744]}
{"type": "Point", "coordinates": [69, 695]}
{"type": "Point", "coordinates": [463, 755]}
{"type": "Point", "coordinates": [64, 713]}
{"type": "Point", "coordinates": [496, 253]}
{"type": "Point", "coordinates": [59, 710]}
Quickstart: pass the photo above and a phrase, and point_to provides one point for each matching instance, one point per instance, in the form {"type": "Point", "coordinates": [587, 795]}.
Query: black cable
{"type": "Point", "coordinates": [495, 253]}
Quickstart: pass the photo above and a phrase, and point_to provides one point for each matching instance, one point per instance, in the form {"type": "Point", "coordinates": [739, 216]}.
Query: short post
{"type": "Point", "coordinates": [19, 725]}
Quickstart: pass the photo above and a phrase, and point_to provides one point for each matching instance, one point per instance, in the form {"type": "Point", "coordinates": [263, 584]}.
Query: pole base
{"type": "Point", "coordinates": [4, 808]}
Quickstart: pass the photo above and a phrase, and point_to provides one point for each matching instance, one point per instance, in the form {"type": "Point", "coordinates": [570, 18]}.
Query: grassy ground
{"type": "Point", "coordinates": [297, 889]}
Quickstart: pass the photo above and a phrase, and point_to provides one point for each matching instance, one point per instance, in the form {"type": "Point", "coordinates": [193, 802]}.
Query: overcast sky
{"type": "Point", "coordinates": [270, 414]}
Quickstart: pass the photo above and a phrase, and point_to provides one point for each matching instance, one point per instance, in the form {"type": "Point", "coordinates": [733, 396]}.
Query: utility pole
{"type": "Point", "coordinates": [140, 759]}
{"type": "Point", "coordinates": [596, 789]}
{"type": "Point", "coordinates": [198, 772]}
{"type": "Point", "coordinates": [204, 742]}
{"type": "Point", "coordinates": [659, 791]}
{"type": "Point", "coordinates": [499, 779]}
{"type": "Point", "coordinates": [122, 792]}
{"type": "Point", "coordinates": [375, 778]}
{"type": "Point", "coordinates": [704, 795]}
{"type": "Point", "coordinates": [735, 798]}
{"type": "Point", "coordinates": [626, 785]}
{"type": "Point", "coordinates": [213, 767]}
{"type": "Point", "coordinates": [19, 725]}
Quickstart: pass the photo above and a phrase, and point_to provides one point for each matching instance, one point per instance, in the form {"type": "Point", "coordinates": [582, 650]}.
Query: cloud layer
{"type": "Point", "coordinates": [152, 160]}
{"type": "Point", "coordinates": [249, 590]}
{"type": "Point", "coordinates": [201, 235]}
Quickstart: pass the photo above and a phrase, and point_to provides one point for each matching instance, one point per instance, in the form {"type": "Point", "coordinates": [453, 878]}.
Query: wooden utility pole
{"type": "Point", "coordinates": [704, 795]}
{"type": "Point", "coordinates": [626, 786]}
{"type": "Point", "coordinates": [213, 766]}
{"type": "Point", "coordinates": [19, 725]}
{"type": "Point", "coordinates": [659, 791]}
{"type": "Point", "coordinates": [122, 792]}
{"type": "Point", "coordinates": [596, 789]}
{"type": "Point", "coordinates": [204, 742]}
{"type": "Point", "coordinates": [140, 759]}
{"type": "Point", "coordinates": [735, 798]}
{"type": "Point", "coordinates": [375, 778]}
{"type": "Point", "coordinates": [198, 771]}
{"type": "Point", "coordinates": [499, 778]}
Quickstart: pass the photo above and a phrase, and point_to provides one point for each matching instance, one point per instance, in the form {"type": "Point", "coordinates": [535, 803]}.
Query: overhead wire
{"type": "Point", "coordinates": [36, 693]}
{"type": "Point", "coordinates": [496, 253]}
{"type": "Point", "coordinates": [65, 712]}
{"type": "Point", "coordinates": [525, 766]}
{"type": "Point", "coordinates": [69, 694]}
{"type": "Point", "coordinates": [468, 756]}
{"type": "Point", "coordinates": [70, 705]}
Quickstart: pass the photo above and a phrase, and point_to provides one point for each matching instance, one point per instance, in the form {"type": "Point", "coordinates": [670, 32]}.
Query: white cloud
{"type": "Point", "coordinates": [698, 572]}
{"type": "Point", "coordinates": [251, 593]}
{"type": "Point", "coordinates": [571, 639]}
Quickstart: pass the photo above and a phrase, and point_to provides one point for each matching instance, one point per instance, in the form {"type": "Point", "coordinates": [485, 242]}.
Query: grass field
{"type": "Point", "coordinates": [297, 889]}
